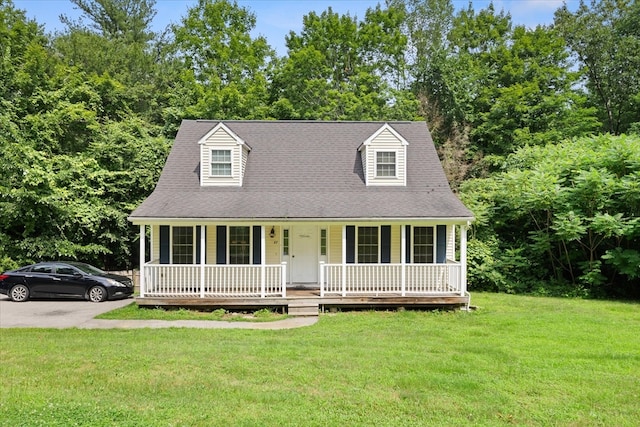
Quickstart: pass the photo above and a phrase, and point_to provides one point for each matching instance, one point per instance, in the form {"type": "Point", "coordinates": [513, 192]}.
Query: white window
{"type": "Point", "coordinates": [182, 245]}
{"type": "Point", "coordinates": [368, 245]}
{"type": "Point", "coordinates": [239, 245]}
{"type": "Point", "coordinates": [423, 245]}
{"type": "Point", "coordinates": [386, 164]}
{"type": "Point", "coordinates": [220, 162]}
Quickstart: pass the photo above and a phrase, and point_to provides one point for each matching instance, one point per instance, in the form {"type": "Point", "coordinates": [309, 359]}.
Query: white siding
{"type": "Point", "coordinates": [334, 234]}
{"type": "Point", "coordinates": [245, 155]}
{"type": "Point", "coordinates": [272, 245]}
{"type": "Point", "coordinates": [396, 241]}
{"type": "Point", "coordinates": [451, 242]}
{"type": "Point", "coordinates": [155, 242]}
{"type": "Point", "coordinates": [211, 244]}
{"type": "Point", "coordinates": [363, 155]}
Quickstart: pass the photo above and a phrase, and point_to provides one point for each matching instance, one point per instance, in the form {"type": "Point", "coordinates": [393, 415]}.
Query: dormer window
{"type": "Point", "coordinates": [384, 158]}
{"type": "Point", "coordinates": [220, 162]}
{"type": "Point", "coordinates": [386, 164]}
{"type": "Point", "coordinates": [223, 157]}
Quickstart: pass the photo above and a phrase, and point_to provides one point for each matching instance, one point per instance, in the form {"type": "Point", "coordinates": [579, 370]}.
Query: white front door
{"type": "Point", "coordinates": [303, 259]}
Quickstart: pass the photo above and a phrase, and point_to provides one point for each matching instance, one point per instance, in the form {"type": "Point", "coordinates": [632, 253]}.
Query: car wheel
{"type": "Point", "coordinates": [97, 294]}
{"type": "Point", "coordinates": [19, 293]}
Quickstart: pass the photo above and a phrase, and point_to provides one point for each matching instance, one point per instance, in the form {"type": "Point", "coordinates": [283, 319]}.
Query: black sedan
{"type": "Point", "coordinates": [64, 280]}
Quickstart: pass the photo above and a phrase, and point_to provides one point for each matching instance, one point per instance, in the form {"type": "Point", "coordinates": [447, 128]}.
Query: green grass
{"type": "Point", "coordinates": [134, 312]}
{"type": "Point", "coordinates": [515, 361]}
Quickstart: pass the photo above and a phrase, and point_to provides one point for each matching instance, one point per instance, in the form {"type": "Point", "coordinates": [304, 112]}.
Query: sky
{"type": "Point", "coordinates": [275, 18]}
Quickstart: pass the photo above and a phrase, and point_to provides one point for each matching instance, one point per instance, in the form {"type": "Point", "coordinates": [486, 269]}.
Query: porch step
{"type": "Point", "coordinates": [301, 308]}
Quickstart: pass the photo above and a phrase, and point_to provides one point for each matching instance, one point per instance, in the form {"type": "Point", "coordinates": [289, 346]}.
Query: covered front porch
{"type": "Point", "coordinates": [317, 264]}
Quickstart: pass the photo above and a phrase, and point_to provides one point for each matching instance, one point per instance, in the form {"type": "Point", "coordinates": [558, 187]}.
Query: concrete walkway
{"type": "Point", "coordinates": [81, 314]}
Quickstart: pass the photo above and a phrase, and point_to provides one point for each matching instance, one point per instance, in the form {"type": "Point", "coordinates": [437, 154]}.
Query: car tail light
{"type": "Point", "coordinates": [3, 276]}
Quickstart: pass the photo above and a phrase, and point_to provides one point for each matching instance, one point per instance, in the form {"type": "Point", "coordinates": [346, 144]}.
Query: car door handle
{"type": "Point", "coordinates": [56, 278]}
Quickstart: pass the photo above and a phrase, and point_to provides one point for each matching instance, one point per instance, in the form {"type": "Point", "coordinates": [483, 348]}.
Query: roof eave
{"type": "Point", "coordinates": [138, 220]}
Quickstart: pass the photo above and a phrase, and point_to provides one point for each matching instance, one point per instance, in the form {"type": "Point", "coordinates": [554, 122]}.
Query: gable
{"type": "Point", "coordinates": [223, 157]}
{"type": "Point", "coordinates": [384, 158]}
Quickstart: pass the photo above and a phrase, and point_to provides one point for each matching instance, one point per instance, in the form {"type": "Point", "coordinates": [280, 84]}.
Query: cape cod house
{"type": "Point", "coordinates": [250, 212]}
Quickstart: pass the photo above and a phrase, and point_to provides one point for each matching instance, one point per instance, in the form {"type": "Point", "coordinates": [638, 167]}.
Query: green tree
{"type": "Point", "coordinates": [77, 153]}
{"type": "Point", "coordinates": [118, 19]}
{"type": "Point", "coordinates": [338, 68]}
{"type": "Point", "coordinates": [113, 39]}
{"type": "Point", "coordinates": [487, 87]}
{"type": "Point", "coordinates": [530, 98]}
{"type": "Point", "coordinates": [223, 68]}
{"type": "Point", "coordinates": [605, 38]}
{"type": "Point", "coordinates": [427, 24]}
{"type": "Point", "coordinates": [521, 87]}
{"type": "Point", "coordinates": [437, 82]}
{"type": "Point", "coordinates": [24, 61]}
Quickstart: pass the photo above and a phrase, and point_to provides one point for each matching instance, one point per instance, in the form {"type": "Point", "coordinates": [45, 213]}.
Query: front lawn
{"type": "Point", "coordinates": [515, 361]}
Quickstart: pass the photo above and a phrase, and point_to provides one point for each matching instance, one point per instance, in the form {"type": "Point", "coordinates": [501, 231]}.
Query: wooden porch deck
{"type": "Point", "coordinates": [307, 302]}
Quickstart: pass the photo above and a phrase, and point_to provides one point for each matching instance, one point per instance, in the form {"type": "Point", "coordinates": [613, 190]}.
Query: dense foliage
{"type": "Point", "coordinates": [87, 116]}
{"type": "Point", "coordinates": [561, 218]}
{"type": "Point", "coordinates": [77, 148]}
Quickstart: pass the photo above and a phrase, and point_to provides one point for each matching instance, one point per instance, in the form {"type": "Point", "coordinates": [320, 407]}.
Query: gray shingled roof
{"type": "Point", "coordinates": [302, 170]}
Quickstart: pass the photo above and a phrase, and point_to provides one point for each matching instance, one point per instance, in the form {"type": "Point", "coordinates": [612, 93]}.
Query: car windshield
{"type": "Point", "coordinates": [86, 268]}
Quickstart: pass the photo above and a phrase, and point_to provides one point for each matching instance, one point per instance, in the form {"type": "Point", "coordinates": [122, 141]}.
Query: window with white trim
{"type": "Point", "coordinates": [182, 245]}
{"type": "Point", "coordinates": [385, 164]}
{"type": "Point", "coordinates": [285, 242]}
{"type": "Point", "coordinates": [239, 245]}
{"type": "Point", "coordinates": [423, 245]}
{"type": "Point", "coordinates": [220, 163]}
{"type": "Point", "coordinates": [323, 242]}
{"type": "Point", "coordinates": [368, 245]}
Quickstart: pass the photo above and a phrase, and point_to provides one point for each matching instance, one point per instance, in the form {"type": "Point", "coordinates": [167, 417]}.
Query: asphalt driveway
{"type": "Point", "coordinates": [80, 314]}
{"type": "Point", "coordinates": [53, 313]}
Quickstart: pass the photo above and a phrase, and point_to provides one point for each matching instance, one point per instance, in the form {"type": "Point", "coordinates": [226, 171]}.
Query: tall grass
{"type": "Point", "coordinates": [515, 361]}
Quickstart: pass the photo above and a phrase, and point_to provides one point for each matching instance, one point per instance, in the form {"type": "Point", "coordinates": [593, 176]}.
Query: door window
{"type": "Point", "coordinates": [285, 242]}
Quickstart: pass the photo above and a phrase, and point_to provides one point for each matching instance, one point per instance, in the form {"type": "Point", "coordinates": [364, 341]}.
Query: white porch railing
{"type": "Point", "coordinates": [207, 281]}
{"type": "Point", "coordinates": [399, 279]}
{"type": "Point", "coordinates": [227, 281]}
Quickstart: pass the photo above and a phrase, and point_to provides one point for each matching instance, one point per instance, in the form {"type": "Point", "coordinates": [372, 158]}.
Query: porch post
{"type": "Point", "coordinates": [344, 260]}
{"type": "Point", "coordinates": [283, 279]}
{"type": "Point", "coordinates": [263, 257]}
{"type": "Point", "coordinates": [203, 251]}
{"type": "Point", "coordinates": [451, 242]}
{"type": "Point", "coordinates": [403, 258]}
{"type": "Point", "coordinates": [321, 279]}
{"type": "Point", "coordinates": [463, 259]}
{"type": "Point", "coordinates": [143, 246]}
